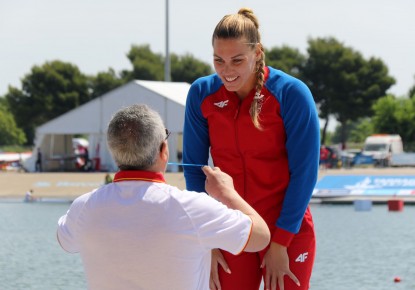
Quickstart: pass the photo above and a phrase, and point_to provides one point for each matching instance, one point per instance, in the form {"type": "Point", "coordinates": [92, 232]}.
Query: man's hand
{"type": "Point", "coordinates": [218, 184]}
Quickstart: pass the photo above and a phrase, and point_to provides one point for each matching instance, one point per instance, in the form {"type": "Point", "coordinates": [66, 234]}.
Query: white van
{"type": "Point", "coordinates": [381, 147]}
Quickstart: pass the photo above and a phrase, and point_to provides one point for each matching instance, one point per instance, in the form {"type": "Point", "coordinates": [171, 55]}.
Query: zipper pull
{"type": "Point", "coordinates": [236, 113]}
{"type": "Point", "coordinates": [237, 110]}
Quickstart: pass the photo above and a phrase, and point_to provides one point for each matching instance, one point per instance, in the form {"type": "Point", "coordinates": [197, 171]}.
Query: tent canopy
{"type": "Point", "coordinates": [54, 138]}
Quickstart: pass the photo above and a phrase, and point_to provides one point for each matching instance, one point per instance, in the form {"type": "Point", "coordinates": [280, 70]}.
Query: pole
{"type": "Point", "coordinates": [167, 61]}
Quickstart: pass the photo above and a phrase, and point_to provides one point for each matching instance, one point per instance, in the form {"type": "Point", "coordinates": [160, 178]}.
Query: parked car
{"type": "Point", "coordinates": [381, 147]}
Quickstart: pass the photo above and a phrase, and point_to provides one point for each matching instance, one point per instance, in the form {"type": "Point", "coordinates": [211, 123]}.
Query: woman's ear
{"type": "Point", "coordinates": [258, 51]}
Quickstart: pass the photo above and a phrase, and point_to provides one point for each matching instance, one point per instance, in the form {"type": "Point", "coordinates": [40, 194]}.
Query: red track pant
{"type": "Point", "coordinates": [246, 271]}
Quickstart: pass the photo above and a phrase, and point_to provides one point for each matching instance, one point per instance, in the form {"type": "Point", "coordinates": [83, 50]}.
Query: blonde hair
{"type": "Point", "coordinates": [245, 24]}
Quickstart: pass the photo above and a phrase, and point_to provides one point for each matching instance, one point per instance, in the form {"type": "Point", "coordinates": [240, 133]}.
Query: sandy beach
{"type": "Point", "coordinates": [66, 185]}
{"type": "Point", "coordinates": [70, 185]}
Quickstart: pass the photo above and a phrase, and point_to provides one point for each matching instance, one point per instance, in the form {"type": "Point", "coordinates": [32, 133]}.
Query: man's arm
{"type": "Point", "coordinates": [219, 185]}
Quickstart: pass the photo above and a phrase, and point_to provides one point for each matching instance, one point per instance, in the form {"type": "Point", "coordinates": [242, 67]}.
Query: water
{"type": "Point", "coordinates": [363, 250]}
{"type": "Point", "coordinates": [30, 256]}
{"type": "Point", "coordinates": [355, 250]}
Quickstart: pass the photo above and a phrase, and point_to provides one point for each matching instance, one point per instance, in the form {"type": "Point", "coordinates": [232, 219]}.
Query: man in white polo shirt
{"type": "Point", "coordinates": [141, 233]}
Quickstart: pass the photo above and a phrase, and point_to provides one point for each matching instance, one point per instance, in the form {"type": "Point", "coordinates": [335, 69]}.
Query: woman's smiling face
{"type": "Point", "coordinates": [235, 63]}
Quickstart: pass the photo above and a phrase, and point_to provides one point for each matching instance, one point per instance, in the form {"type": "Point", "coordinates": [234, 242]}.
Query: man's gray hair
{"type": "Point", "coordinates": [134, 137]}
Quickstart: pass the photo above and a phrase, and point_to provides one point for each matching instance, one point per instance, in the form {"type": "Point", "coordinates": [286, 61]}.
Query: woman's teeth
{"type": "Point", "coordinates": [230, 79]}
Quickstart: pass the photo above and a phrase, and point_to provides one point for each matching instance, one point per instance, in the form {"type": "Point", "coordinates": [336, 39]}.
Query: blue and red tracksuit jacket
{"type": "Point", "coordinates": [274, 169]}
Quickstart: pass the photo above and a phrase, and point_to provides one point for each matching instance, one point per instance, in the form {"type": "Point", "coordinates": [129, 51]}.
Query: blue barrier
{"type": "Point", "coordinates": [365, 185]}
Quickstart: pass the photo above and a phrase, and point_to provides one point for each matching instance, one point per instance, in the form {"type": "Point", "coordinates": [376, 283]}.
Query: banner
{"type": "Point", "coordinates": [340, 185]}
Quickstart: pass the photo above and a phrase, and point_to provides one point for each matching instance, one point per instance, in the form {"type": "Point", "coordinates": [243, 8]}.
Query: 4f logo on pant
{"type": "Point", "coordinates": [302, 257]}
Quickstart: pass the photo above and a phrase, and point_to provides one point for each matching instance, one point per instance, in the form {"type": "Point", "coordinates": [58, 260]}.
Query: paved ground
{"type": "Point", "coordinates": [71, 185]}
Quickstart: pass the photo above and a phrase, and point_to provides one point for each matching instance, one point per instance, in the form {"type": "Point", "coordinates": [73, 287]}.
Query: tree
{"type": "Point", "coordinates": [395, 116]}
{"type": "Point", "coordinates": [146, 64]}
{"type": "Point", "coordinates": [47, 91]}
{"type": "Point", "coordinates": [343, 83]}
{"type": "Point", "coordinates": [150, 66]}
{"type": "Point", "coordinates": [104, 82]}
{"type": "Point", "coordinates": [360, 129]}
{"type": "Point", "coordinates": [187, 69]}
{"type": "Point", "coordinates": [10, 134]}
{"type": "Point", "coordinates": [3, 101]}
{"type": "Point", "coordinates": [287, 59]}
{"type": "Point", "coordinates": [411, 92]}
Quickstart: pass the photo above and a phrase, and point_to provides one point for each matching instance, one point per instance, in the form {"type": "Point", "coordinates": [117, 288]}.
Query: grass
{"type": "Point", "coordinates": [15, 148]}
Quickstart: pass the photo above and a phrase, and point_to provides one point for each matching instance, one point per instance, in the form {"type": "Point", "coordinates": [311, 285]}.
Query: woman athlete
{"type": "Point", "coordinates": [260, 125]}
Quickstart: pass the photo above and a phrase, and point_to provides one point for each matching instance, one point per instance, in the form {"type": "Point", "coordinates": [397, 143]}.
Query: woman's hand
{"type": "Point", "coordinates": [276, 263]}
{"type": "Point", "coordinates": [217, 259]}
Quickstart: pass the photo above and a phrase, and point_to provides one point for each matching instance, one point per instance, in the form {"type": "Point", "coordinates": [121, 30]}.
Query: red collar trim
{"type": "Point", "coordinates": [133, 175]}
{"type": "Point", "coordinates": [266, 73]}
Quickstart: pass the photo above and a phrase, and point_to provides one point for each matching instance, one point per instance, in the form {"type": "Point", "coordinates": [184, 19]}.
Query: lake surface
{"type": "Point", "coordinates": [356, 250]}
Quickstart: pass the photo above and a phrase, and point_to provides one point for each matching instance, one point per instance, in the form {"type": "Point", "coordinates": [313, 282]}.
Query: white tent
{"type": "Point", "coordinates": [54, 138]}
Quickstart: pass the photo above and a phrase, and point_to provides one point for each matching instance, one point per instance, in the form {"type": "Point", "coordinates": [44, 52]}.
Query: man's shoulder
{"type": "Point", "coordinates": [196, 203]}
{"type": "Point", "coordinates": [83, 199]}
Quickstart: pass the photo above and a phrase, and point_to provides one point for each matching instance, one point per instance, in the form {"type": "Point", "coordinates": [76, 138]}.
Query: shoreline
{"type": "Point", "coordinates": [69, 185]}
{"type": "Point", "coordinates": [64, 185]}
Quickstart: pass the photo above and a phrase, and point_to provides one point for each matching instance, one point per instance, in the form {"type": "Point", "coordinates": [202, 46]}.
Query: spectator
{"type": "Point", "coordinates": [38, 164]}
{"type": "Point", "coordinates": [324, 157]}
{"type": "Point", "coordinates": [29, 196]}
{"type": "Point", "coordinates": [108, 178]}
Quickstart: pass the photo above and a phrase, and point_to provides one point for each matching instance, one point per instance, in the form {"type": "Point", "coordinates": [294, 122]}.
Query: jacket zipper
{"type": "Point", "coordinates": [236, 117]}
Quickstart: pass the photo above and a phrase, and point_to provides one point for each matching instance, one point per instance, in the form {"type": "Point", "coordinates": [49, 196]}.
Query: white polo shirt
{"type": "Point", "coordinates": [137, 234]}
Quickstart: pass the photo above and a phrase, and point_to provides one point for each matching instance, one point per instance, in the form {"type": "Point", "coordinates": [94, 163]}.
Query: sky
{"type": "Point", "coordinates": [97, 34]}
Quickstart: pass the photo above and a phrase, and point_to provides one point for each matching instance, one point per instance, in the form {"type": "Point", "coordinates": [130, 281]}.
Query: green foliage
{"type": "Point", "coordinates": [339, 131]}
{"type": "Point", "coordinates": [329, 138]}
{"type": "Point", "coordinates": [357, 131]}
{"type": "Point", "coordinates": [385, 120]}
{"type": "Point", "coordinates": [10, 134]}
{"type": "Point", "coordinates": [411, 92]}
{"type": "Point", "coordinates": [395, 116]}
{"type": "Point", "coordinates": [360, 130]}
{"type": "Point", "coordinates": [150, 66]}
{"type": "Point", "coordinates": [187, 69]}
{"type": "Point", "coordinates": [104, 82]}
{"type": "Point", "coordinates": [47, 91]}
{"type": "Point", "coordinates": [287, 59]}
{"type": "Point", "coordinates": [343, 83]}
{"type": "Point", "coordinates": [15, 148]}
{"type": "Point", "coordinates": [146, 64]}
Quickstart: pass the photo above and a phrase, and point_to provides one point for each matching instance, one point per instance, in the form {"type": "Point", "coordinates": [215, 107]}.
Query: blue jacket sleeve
{"type": "Point", "coordinates": [196, 142]}
{"type": "Point", "coordinates": [302, 128]}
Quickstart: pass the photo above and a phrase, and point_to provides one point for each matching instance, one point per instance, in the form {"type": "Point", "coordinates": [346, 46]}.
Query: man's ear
{"type": "Point", "coordinates": [164, 151]}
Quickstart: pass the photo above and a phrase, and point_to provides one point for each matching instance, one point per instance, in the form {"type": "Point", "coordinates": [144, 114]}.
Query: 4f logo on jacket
{"type": "Point", "coordinates": [221, 104]}
{"type": "Point", "coordinates": [302, 257]}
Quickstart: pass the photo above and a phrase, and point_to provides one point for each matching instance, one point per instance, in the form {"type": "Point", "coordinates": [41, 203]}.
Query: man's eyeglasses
{"type": "Point", "coordinates": [167, 134]}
